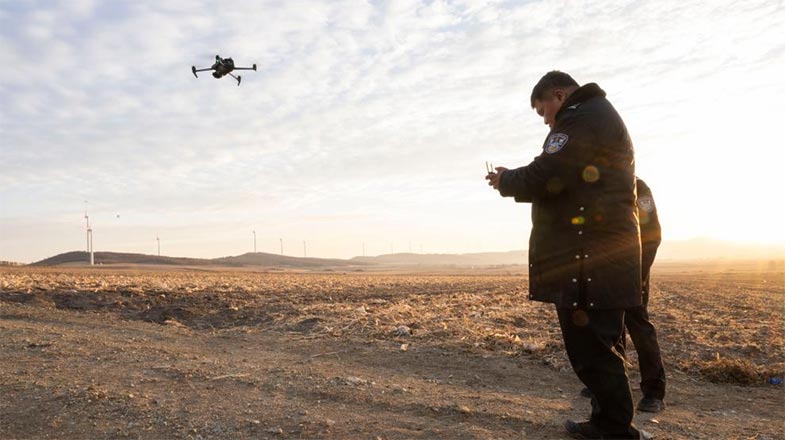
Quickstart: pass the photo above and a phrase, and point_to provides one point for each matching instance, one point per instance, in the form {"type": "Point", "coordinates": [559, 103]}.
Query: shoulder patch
{"type": "Point", "coordinates": [556, 142]}
{"type": "Point", "coordinates": [646, 204]}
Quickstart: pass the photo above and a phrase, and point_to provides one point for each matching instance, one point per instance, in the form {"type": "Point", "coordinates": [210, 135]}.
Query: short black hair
{"type": "Point", "coordinates": [551, 80]}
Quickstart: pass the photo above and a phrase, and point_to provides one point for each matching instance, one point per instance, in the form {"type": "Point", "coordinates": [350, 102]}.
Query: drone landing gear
{"type": "Point", "coordinates": [238, 78]}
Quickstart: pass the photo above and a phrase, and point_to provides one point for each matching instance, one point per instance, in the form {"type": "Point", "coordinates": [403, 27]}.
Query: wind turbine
{"type": "Point", "coordinates": [158, 239]}
{"type": "Point", "coordinates": [254, 241]}
{"type": "Point", "coordinates": [89, 236]}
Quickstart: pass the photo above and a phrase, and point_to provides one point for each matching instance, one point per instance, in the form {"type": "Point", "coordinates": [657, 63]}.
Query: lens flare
{"type": "Point", "coordinates": [591, 174]}
{"type": "Point", "coordinates": [580, 318]}
{"type": "Point", "coordinates": [554, 185]}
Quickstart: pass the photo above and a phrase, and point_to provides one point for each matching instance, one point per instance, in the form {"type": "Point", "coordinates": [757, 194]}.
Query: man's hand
{"type": "Point", "coordinates": [493, 178]}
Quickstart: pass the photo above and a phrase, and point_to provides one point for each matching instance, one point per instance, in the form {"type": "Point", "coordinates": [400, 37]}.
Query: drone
{"type": "Point", "coordinates": [221, 67]}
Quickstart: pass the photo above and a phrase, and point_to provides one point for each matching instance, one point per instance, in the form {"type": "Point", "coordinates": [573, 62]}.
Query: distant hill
{"type": "Point", "coordinates": [696, 250]}
{"type": "Point", "coordinates": [249, 259]}
{"type": "Point", "coordinates": [475, 259]}
{"type": "Point", "coordinates": [81, 257]}
{"type": "Point", "coordinates": [693, 250]}
{"type": "Point", "coordinates": [265, 259]}
{"type": "Point", "coordinates": [711, 249]}
{"type": "Point", "coordinates": [273, 260]}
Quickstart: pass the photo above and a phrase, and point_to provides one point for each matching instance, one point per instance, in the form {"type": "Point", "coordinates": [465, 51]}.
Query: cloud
{"type": "Point", "coordinates": [356, 107]}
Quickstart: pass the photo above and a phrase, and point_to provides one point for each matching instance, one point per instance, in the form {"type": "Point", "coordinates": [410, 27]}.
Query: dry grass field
{"type": "Point", "coordinates": [142, 353]}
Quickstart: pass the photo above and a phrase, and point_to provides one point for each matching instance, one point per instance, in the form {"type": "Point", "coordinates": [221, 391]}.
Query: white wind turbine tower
{"type": "Point", "coordinates": [89, 236]}
{"type": "Point", "coordinates": [158, 239]}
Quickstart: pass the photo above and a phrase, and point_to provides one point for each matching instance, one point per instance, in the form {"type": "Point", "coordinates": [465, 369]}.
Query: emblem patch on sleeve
{"type": "Point", "coordinates": [646, 204]}
{"type": "Point", "coordinates": [556, 142]}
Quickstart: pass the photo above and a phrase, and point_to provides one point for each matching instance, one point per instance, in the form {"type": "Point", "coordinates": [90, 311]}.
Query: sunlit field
{"type": "Point", "coordinates": [135, 353]}
{"type": "Point", "coordinates": [722, 325]}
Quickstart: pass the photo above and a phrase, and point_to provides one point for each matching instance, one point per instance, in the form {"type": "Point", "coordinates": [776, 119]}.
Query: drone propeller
{"type": "Point", "coordinates": [193, 69]}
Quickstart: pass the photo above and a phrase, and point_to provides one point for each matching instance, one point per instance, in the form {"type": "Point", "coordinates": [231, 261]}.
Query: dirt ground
{"type": "Point", "coordinates": [149, 354]}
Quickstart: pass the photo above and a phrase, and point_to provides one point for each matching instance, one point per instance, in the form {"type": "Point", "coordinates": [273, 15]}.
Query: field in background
{"type": "Point", "coordinates": [717, 325]}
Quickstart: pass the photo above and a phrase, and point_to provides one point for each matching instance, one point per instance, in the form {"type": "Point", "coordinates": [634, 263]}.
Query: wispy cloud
{"type": "Point", "coordinates": [366, 110]}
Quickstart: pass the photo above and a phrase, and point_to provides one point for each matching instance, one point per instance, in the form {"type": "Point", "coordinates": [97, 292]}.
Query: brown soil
{"type": "Point", "coordinates": [111, 353]}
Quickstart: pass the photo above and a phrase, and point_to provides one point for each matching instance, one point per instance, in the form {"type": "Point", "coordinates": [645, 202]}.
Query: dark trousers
{"type": "Point", "coordinates": [644, 337]}
{"type": "Point", "coordinates": [591, 338]}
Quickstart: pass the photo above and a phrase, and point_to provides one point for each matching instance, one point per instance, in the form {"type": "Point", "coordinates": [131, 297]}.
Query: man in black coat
{"type": "Point", "coordinates": [584, 248]}
{"type": "Point", "coordinates": [636, 319]}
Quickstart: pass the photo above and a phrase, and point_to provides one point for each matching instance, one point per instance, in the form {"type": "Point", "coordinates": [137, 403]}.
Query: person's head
{"type": "Point", "coordinates": [550, 93]}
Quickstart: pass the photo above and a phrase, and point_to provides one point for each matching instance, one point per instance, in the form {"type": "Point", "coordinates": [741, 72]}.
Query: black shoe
{"type": "Point", "coordinates": [651, 404]}
{"type": "Point", "coordinates": [585, 430]}
{"type": "Point", "coordinates": [586, 392]}
{"type": "Point", "coordinates": [582, 430]}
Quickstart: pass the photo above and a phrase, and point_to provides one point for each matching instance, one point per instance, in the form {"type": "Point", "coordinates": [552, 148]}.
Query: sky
{"type": "Point", "coordinates": [368, 124]}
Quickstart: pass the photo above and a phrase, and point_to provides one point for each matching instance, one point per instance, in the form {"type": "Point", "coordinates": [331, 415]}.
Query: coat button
{"type": "Point", "coordinates": [577, 257]}
{"type": "Point", "coordinates": [531, 264]}
{"type": "Point", "coordinates": [574, 280]}
{"type": "Point", "coordinates": [575, 304]}
{"type": "Point", "coordinates": [580, 232]}
{"type": "Point", "coordinates": [591, 304]}
{"type": "Point", "coordinates": [581, 208]}
{"type": "Point", "coordinates": [588, 279]}
{"type": "Point", "coordinates": [586, 256]}
{"type": "Point", "coordinates": [531, 296]}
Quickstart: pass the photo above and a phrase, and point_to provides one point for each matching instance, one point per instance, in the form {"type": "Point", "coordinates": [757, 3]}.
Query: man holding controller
{"type": "Point", "coordinates": [584, 248]}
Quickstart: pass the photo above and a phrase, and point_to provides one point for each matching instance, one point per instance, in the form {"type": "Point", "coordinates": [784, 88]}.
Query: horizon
{"type": "Point", "coordinates": [668, 251]}
{"type": "Point", "coordinates": [367, 125]}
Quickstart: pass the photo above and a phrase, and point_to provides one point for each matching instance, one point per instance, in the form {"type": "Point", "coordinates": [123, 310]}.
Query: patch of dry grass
{"type": "Point", "coordinates": [736, 316]}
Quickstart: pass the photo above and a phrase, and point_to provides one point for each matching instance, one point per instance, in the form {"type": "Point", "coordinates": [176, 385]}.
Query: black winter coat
{"type": "Point", "coordinates": [584, 249]}
{"type": "Point", "coordinates": [651, 234]}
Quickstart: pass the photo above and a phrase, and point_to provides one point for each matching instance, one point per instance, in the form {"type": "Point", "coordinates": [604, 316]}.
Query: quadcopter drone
{"type": "Point", "coordinates": [221, 67]}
